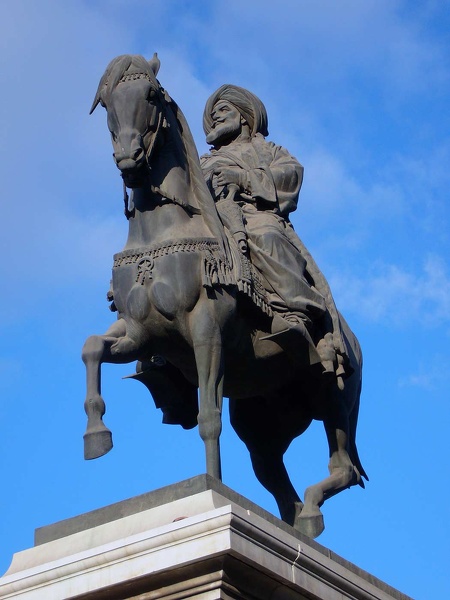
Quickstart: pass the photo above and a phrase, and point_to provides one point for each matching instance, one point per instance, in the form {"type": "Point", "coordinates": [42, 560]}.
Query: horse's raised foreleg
{"type": "Point", "coordinates": [342, 476]}
{"type": "Point", "coordinates": [96, 350]}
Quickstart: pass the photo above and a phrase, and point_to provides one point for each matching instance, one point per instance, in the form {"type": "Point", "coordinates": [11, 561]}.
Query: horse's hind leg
{"type": "Point", "coordinates": [96, 350]}
{"type": "Point", "coordinates": [342, 476]}
{"type": "Point", "coordinates": [270, 471]}
{"type": "Point", "coordinates": [255, 425]}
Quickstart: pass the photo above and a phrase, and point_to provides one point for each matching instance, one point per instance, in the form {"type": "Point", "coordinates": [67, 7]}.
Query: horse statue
{"type": "Point", "coordinates": [176, 297]}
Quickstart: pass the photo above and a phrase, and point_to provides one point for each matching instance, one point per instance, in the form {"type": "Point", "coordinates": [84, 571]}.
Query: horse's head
{"type": "Point", "coordinates": [134, 103]}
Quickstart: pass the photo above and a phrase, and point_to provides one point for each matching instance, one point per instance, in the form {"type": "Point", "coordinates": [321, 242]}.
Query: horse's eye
{"type": "Point", "coordinates": [114, 136]}
{"type": "Point", "coordinates": [151, 95]}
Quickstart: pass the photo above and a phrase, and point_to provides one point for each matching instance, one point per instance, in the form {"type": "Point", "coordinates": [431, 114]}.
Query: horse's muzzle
{"type": "Point", "coordinates": [132, 172]}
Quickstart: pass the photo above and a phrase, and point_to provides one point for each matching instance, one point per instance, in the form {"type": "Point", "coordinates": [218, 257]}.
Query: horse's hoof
{"type": "Point", "coordinates": [312, 526]}
{"type": "Point", "coordinates": [97, 443]}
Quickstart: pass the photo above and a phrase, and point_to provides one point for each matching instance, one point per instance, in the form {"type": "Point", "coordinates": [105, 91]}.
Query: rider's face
{"type": "Point", "coordinates": [226, 123]}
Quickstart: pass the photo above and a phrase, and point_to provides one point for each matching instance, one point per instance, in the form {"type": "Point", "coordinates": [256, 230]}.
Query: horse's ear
{"type": "Point", "coordinates": [155, 63]}
{"type": "Point", "coordinates": [95, 103]}
{"type": "Point", "coordinates": [102, 83]}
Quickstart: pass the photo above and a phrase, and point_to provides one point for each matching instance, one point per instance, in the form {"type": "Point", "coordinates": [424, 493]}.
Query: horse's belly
{"type": "Point", "coordinates": [247, 376]}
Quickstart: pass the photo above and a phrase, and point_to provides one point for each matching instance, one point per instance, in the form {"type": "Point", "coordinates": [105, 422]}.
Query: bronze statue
{"type": "Point", "coordinates": [196, 313]}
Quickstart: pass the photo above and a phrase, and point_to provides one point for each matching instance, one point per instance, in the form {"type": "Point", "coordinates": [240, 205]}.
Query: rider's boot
{"type": "Point", "coordinates": [293, 336]}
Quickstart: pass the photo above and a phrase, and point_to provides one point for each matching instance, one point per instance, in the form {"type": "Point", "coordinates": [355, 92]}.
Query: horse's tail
{"type": "Point", "coordinates": [356, 358]}
{"type": "Point", "coordinates": [353, 451]}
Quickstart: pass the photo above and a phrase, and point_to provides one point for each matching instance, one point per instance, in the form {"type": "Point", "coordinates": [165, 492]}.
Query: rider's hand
{"type": "Point", "coordinates": [229, 175]}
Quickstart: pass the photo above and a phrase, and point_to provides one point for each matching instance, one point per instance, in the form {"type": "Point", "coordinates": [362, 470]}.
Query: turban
{"type": "Point", "coordinates": [250, 107]}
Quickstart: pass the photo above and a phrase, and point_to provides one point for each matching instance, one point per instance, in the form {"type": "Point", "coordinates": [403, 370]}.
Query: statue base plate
{"type": "Point", "coordinates": [195, 539]}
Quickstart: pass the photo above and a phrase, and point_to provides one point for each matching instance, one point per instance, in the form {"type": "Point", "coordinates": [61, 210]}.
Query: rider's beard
{"type": "Point", "coordinates": [223, 133]}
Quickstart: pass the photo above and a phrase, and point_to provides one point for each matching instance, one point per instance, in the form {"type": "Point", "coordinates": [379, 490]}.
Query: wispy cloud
{"type": "Point", "coordinates": [407, 59]}
{"type": "Point", "coordinates": [390, 294]}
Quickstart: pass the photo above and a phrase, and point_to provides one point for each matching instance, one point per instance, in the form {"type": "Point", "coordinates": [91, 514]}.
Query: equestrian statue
{"type": "Point", "coordinates": [215, 293]}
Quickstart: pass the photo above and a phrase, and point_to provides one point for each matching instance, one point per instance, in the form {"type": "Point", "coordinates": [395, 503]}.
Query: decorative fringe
{"type": "Point", "coordinates": [215, 273]}
{"type": "Point", "coordinates": [215, 270]}
{"type": "Point", "coordinates": [252, 288]}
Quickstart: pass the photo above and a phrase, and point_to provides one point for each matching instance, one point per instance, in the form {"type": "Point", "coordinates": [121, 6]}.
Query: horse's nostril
{"type": "Point", "coordinates": [137, 154]}
{"type": "Point", "coordinates": [119, 156]}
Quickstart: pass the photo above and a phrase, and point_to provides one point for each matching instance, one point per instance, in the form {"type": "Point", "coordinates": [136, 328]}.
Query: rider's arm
{"type": "Point", "coordinates": [287, 175]}
{"type": "Point", "coordinates": [277, 181]}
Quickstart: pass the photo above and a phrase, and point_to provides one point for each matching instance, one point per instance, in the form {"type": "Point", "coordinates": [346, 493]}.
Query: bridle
{"type": "Point", "coordinates": [148, 152]}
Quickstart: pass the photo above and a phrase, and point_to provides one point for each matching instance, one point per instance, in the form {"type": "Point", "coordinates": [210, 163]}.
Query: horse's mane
{"type": "Point", "coordinates": [198, 185]}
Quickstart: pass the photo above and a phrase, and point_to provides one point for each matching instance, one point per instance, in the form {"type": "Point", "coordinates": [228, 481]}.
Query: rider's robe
{"type": "Point", "coordinates": [272, 183]}
{"type": "Point", "coordinates": [273, 178]}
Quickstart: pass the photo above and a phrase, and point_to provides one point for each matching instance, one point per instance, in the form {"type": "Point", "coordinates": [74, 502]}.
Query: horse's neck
{"type": "Point", "coordinates": [167, 208]}
{"type": "Point", "coordinates": [158, 212]}
{"type": "Point", "coordinates": [160, 222]}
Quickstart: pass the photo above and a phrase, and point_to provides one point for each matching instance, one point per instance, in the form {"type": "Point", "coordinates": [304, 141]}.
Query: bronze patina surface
{"type": "Point", "coordinates": [215, 291]}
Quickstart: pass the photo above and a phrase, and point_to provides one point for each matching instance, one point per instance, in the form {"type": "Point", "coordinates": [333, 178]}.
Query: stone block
{"type": "Point", "coordinates": [196, 539]}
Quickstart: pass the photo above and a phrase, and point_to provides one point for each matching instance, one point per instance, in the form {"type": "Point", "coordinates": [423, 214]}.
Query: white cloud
{"type": "Point", "coordinates": [332, 187]}
{"type": "Point", "coordinates": [390, 294]}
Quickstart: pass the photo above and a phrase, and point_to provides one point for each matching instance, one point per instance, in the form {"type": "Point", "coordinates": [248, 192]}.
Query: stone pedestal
{"type": "Point", "coordinates": [196, 539]}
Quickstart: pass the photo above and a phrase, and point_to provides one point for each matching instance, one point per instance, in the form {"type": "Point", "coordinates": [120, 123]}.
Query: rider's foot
{"type": "Point", "coordinates": [327, 353]}
{"type": "Point", "coordinates": [290, 334]}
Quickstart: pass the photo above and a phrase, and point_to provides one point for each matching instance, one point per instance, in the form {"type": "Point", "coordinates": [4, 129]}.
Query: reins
{"type": "Point", "coordinates": [127, 212]}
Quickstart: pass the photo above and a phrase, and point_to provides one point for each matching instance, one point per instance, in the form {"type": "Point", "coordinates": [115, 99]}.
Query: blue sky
{"type": "Point", "coordinates": [359, 92]}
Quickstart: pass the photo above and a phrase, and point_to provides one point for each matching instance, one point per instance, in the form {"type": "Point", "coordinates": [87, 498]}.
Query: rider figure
{"type": "Point", "coordinates": [266, 180]}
